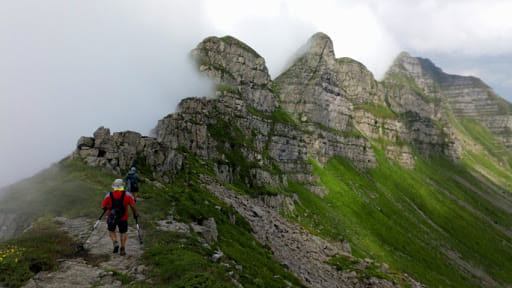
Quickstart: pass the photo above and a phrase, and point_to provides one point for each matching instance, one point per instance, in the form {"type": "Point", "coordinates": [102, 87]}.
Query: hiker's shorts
{"type": "Point", "coordinates": [123, 226]}
{"type": "Point", "coordinates": [134, 189]}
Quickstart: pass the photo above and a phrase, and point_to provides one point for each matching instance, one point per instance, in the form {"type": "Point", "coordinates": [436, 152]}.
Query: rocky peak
{"type": "Point", "coordinates": [320, 45]}
{"type": "Point", "coordinates": [238, 69]}
{"type": "Point", "coordinates": [337, 109]}
{"type": "Point", "coordinates": [414, 66]}
{"type": "Point", "coordinates": [466, 96]}
{"type": "Point", "coordinates": [321, 89]}
{"type": "Point", "coordinates": [404, 62]}
{"type": "Point", "coordinates": [421, 71]}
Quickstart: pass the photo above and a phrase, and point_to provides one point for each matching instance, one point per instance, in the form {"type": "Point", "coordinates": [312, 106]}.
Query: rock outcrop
{"type": "Point", "coordinates": [301, 252]}
{"type": "Point", "coordinates": [119, 151]}
{"type": "Point", "coordinates": [321, 89]}
{"type": "Point", "coordinates": [261, 133]}
{"type": "Point", "coordinates": [321, 107]}
{"type": "Point", "coordinates": [228, 61]}
{"type": "Point", "coordinates": [246, 109]}
{"type": "Point", "coordinates": [464, 96]}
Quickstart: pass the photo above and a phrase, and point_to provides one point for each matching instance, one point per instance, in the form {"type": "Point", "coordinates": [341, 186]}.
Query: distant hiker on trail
{"type": "Point", "coordinates": [117, 203]}
{"type": "Point", "coordinates": [132, 183]}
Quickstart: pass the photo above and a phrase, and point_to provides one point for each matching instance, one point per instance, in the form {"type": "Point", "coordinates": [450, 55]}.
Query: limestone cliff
{"type": "Point", "coordinates": [341, 94]}
{"type": "Point", "coordinates": [247, 110]}
{"type": "Point", "coordinates": [321, 107]}
{"type": "Point", "coordinates": [256, 134]}
{"type": "Point", "coordinates": [464, 96]}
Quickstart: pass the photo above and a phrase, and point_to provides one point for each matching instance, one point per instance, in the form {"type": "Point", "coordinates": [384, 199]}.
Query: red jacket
{"type": "Point", "coordinates": [128, 200]}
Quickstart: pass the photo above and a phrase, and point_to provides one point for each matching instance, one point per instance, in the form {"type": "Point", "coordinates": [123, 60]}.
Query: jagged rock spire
{"type": "Point", "coordinates": [321, 45]}
{"type": "Point", "coordinates": [241, 70]}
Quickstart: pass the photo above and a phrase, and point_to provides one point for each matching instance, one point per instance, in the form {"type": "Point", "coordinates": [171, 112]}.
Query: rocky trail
{"type": "Point", "coordinates": [101, 268]}
{"type": "Point", "coordinates": [301, 252]}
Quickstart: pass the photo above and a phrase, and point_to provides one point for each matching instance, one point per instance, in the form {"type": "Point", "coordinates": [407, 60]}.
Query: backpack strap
{"type": "Point", "coordinates": [111, 199]}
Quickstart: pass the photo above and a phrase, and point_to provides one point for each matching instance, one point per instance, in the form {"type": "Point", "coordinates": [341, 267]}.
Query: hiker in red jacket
{"type": "Point", "coordinates": [117, 203]}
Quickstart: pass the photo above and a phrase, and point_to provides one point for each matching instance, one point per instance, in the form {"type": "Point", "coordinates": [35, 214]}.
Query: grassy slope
{"type": "Point", "coordinates": [72, 189]}
{"type": "Point", "coordinates": [181, 261]}
{"type": "Point", "coordinates": [66, 189]}
{"type": "Point", "coordinates": [435, 222]}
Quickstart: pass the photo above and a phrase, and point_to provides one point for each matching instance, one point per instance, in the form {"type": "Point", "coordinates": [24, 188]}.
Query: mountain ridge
{"type": "Point", "coordinates": [293, 135]}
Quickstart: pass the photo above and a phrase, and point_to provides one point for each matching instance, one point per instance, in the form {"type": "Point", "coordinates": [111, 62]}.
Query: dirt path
{"type": "Point", "coordinates": [107, 273]}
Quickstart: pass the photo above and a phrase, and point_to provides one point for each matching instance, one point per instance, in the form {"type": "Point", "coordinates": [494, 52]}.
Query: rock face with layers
{"type": "Point", "coordinates": [228, 61]}
{"type": "Point", "coordinates": [121, 150]}
{"type": "Point", "coordinates": [321, 107]}
{"type": "Point", "coordinates": [261, 133]}
{"type": "Point", "coordinates": [247, 107]}
{"type": "Point", "coordinates": [341, 94]}
{"type": "Point", "coordinates": [321, 89]}
{"type": "Point", "coordinates": [464, 96]}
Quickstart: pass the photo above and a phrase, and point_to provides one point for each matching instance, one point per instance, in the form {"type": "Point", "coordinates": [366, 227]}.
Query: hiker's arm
{"type": "Point", "coordinates": [105, 205]}
{"type": "Point", "coordinates": [134, 211]}
{"type": "Point", "coordinates": [104, 210]}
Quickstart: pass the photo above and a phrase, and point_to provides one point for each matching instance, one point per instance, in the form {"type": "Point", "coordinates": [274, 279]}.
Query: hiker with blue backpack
{"type": "Point", "coordinates": [117, 202]}
{"type": "Point", "coordinates": [132, 183]}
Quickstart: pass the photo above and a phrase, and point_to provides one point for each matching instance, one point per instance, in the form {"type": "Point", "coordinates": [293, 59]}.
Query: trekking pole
{"type": "Point", "coordinates": [96, 224]}
{"type": "Point", "coordinates": [138, 229]}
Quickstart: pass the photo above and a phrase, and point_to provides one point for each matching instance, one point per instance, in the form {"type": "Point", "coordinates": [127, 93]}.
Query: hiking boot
{"type": "Point", "coordinates": [116, 247]}
{"type": "Point", "coordinates": [122, 253]}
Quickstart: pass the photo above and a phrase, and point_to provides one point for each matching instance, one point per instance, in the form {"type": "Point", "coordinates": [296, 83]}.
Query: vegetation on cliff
{"type": "Point", "coordinates": [316, 149]}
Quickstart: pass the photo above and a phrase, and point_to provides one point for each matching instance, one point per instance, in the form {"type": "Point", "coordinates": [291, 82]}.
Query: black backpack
{"type": "Point", "coordinates": [117, 211]}
{"type": "Point", "coordinates": [131, 181]}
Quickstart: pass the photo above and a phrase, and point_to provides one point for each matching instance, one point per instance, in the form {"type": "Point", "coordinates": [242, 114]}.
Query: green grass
{"type": "Point", "coordinates": [34, 251]}
{"type": "Point", "coordinates": [68, 189]}
{"type": "Point", "coordinates": [365, 271]}
{"type": "Point", "coordinates": [491, 158]}
{"type": "Point", "coordinates": [179, 260]}
{"type": "Point", "coordinates": [278, 116]}
{"type": "Point", "coordinates": [281, 116]}
{"type": "Point", "coordinates": [483, 163]}
{"type": "Point", "coordinates": [230, 142]}
{"type": "Point", "coordinates": [379, 111]}
{"type": "Point", "coordinates": [228, 89]}
{"type": "Point", "coordinates": [414, 220]}
{"type": "Point", "coordinates": [174, 260]}
{"type": "Point", "coordinates": [121, 277]}
{"type": "Point", "coordinates": [353, 132]}
{"type": "Point", "coordinates": [485, 138]}
{"type": "Point", "coordinates": [407, 218]}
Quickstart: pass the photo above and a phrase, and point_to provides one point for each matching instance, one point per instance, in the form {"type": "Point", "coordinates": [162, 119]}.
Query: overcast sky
{"type": "Point", "coordinates": [68, 67]}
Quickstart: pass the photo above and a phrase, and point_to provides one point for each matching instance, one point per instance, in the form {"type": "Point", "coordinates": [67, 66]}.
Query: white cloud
{"type": "Point", "coordinates": [473, 27]}
{"type": "Point", "coordinates": [507, 83]}
{"type": "Point", "coordinates": [276, 29]}
{"type": "Point", "coordinates": [69, 67]}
